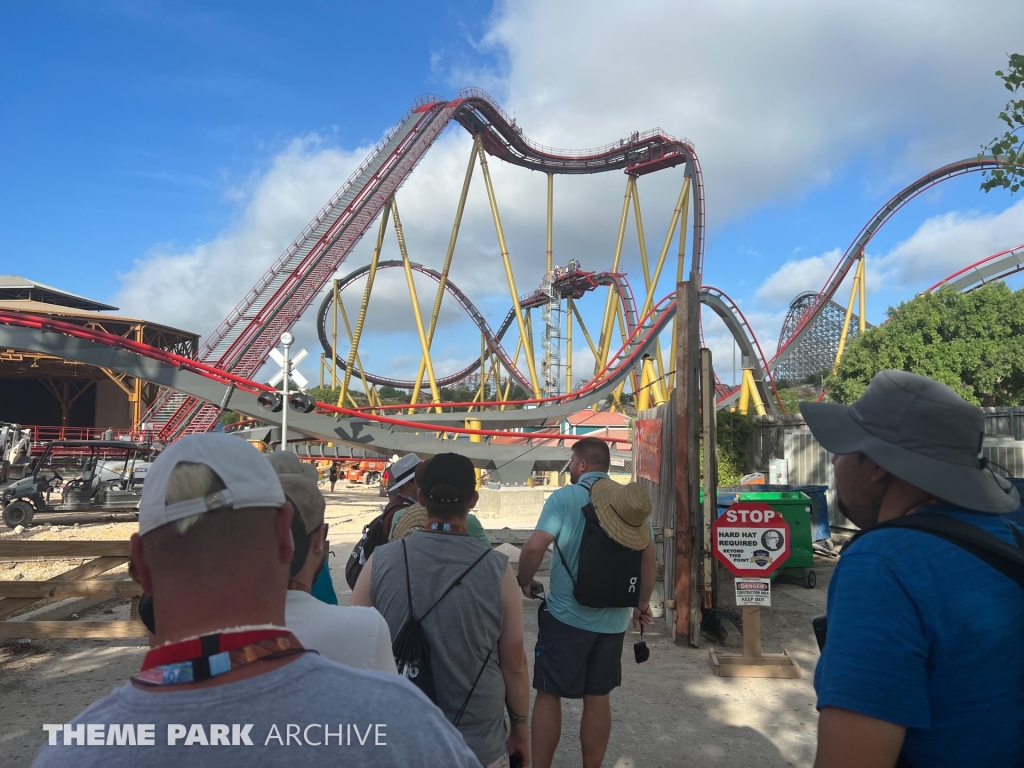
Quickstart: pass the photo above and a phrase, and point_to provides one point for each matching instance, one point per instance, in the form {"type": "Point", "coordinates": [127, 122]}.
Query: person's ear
{"type": "Point", "coordinates": [319, 541]}
{"type": "Point", "coordinates": [283, 525]}
{"type": "Point", "coordinates": [474, 499]}
{"type": "Point", "coordinates": [141, 566]}
{"type": "Point", "coordinates": [421, 497]}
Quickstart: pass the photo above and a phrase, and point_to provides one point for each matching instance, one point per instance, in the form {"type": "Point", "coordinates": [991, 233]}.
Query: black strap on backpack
{"type": "Point", "coordinates": [1003, 557]}
{"type": "Point", "coordinates": [375, 534]}
{"type": "Point", "coordinates": [411, 647]}
{"type": "Point", "coordinates": [608, 573]}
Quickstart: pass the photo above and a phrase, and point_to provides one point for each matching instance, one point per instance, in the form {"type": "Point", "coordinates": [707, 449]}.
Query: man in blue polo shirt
{"type": "Point", "coordinates": [922, 662]}
{"type": "Point", "coordinates": [579, 648]}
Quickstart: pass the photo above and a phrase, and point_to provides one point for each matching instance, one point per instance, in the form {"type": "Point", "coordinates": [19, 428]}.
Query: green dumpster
{"type": "Point", "coordinates": [795, 508]}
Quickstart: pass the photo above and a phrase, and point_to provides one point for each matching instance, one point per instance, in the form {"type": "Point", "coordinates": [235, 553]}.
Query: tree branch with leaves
{"type": "Point", "coordinates": [1009, 146]}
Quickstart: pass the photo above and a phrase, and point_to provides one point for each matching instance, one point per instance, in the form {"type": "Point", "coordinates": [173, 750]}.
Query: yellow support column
{"type": "Point", "coordinates": [863, 304]}
{"type": "Point", "coordinates": [334, 339]}
{"type": "Point", "coordinates": [855, 291]}
{"type": "Point", "coordinates": [643, 397]}
{"type": "Point", "coordinates": [366, 301]}
{"type": "Point", "coordinates": [475, 424]}
{"type": "Point", "coordinates": [568, 346]}
{"type": "Point", "coordinates": [604, 339]}
{"type": "Point", "coordinates": [443, 282]}
{"type": "Point", "coordinates": [435, 395]}
{"type": "Point", "coordinates": [749, 394]}
{"type": "Point", "coordinates": [527, 340]}
{"type": "Point", "coordinates": [684, 212]}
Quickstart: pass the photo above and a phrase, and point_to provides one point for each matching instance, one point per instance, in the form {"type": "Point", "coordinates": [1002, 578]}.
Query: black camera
{"type": "Point", "coordinates": [641, 651]}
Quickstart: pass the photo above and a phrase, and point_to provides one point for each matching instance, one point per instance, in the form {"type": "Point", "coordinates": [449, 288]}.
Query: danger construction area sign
{"type": "Point", "coordinates": [751, 539]}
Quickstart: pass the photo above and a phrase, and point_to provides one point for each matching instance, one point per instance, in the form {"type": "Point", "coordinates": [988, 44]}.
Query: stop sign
{"type": "Point", "coordinates": [751, 539]}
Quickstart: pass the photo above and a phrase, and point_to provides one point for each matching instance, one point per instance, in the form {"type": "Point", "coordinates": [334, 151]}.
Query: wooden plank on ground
{"type": "Point", "coordinates": [60, 550]}
{"type": "Point", "coordinates": [84, 630]}
{"type": "Point", "coordinates": [70, 588]}
{"type": "Point", "coordinates": [89, 570]}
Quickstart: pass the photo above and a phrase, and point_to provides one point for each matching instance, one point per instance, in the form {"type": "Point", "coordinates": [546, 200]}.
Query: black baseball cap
{"type": "Point", "coordinates": [449, 478]}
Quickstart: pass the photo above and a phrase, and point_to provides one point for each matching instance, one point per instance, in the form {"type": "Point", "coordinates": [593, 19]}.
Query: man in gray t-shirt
{"type": "Point", "coordinates": [226, 685]}
{"type": "Point", "coordinates": [311, 712]}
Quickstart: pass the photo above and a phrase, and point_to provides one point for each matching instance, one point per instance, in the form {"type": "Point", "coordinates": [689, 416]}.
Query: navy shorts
{"type": "Point", "coordinates": [572, 663]}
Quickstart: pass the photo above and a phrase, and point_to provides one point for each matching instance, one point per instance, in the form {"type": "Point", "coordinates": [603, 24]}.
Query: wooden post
{"type": "Point", "coordinates": [752, 631]}
{"type": "Point", "coordinates": [710, 469]}
{"type": "Point", "coordinates": [687, 483]}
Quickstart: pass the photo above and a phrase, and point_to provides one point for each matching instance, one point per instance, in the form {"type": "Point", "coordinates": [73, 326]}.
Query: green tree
{"type": "Point", "coordinates": [973, 342]}
{"type": "Point", "coordinates": [1009, 145]}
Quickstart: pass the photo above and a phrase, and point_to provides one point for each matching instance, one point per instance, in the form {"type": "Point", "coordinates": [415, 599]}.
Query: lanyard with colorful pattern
{"type": "Point", "coordinates": [201, 658]}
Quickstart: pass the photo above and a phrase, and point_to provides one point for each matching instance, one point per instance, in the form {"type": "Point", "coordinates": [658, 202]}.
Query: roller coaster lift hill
{"type": "Point", "coordinates": [626, 347]}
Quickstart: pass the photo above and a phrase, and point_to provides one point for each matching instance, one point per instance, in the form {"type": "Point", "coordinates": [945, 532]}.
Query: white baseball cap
{"type": "Point", "coordinates": [249, 479]}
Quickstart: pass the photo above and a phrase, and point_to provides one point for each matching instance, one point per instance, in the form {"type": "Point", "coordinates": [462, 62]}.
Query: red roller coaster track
{"type": "Point", "coordinates": [244, 339]}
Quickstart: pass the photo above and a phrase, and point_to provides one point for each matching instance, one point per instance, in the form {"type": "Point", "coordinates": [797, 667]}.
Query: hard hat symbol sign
{"type": "Point", "coordinates": [751, 539]}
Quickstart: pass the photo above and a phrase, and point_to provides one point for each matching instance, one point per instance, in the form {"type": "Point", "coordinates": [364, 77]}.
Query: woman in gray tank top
{"type": "Point", "coordinates": [475, 632]}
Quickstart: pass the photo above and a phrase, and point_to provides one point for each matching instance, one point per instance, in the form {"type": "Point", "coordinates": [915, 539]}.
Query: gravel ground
{"type": "Point", "coordinates": [670, 711]}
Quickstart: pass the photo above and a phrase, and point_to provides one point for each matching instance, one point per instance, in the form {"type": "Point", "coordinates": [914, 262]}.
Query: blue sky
{"type": "Point", "coordinates": [159, 155]}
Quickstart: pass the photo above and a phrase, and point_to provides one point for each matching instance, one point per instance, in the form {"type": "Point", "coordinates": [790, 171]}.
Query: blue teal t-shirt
{"type": "Point", "coordinates": [926, 635]}
{"type": "Point", "coordinates": [562, 517]}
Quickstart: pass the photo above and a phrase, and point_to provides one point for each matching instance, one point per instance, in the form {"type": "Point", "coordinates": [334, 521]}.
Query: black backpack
{"type": "Point", "coordinates": [375, 533]}
{"type": "Point", "coordinates": [412, 649]}
{"type": "Point", "coordinates": [608, 574]}
{"type": "Point", "coordinates": [1005, 558]}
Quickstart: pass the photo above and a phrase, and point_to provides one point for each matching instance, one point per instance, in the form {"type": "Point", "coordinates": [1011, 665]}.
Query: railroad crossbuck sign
{"type": "Point", "coordinates": [751, 539]}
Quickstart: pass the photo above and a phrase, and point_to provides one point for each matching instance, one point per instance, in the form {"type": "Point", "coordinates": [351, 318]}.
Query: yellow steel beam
{"type": "Point", "coordinates": [340, 307]}
{"type": "Point", "coordinates": [365, 303]}
{"type": "Point", "coordinates": [435, 395]}
{"type": "Point", "coordinates": [863, 324]}
{"type": "Point", "coordinates": [643, 396]}
{"type": "Point", "coordinates": [683, 194]}
{"type": "Point", "coordinates": [447, 266]}
{"type": "Point", "coordinates": [607, 322]}
{"type": "Point", "coordinates": [334, 339]}
{"type": "Point", "coordinates": [515, 361]}
{"type": "Point", "coordinates": [568, 346]}
{"type": "Point", "coordinates": [854, 290]}
{"type": "Point", "coordinates": [684, 214]}
{"type": "Point", "coordinates": [640, 234]}
{"type": "Point", "coordinates": [517, 308]}
{"type": "Point", "coordinates": [586, 333]}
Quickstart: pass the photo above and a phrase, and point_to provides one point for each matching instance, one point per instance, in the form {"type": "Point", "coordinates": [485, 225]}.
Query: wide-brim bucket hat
{"type": "Point", "coordinates": [622, 511]}
{"type": "Point", "coordinates": [920, 431]}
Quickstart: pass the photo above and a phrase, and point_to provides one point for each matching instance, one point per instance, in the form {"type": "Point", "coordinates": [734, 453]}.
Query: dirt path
{"type": "Point", "coordinates": [671, 711]}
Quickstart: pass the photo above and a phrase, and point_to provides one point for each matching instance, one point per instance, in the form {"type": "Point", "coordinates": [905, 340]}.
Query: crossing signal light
{"type": "Point", "coordinates": [270, 401]}
{"type": "Point", "coordinates": [301, 402]}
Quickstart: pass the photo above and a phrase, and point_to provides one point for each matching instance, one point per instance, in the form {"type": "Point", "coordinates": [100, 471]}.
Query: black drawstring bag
{"type": "Point", "coordinates": [412, 649]}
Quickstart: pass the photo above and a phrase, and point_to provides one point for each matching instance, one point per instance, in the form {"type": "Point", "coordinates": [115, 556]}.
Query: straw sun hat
{"type": "Point", "coordinates": [622, 511]}
{"type": "Point", "coordinates": [412, 517]}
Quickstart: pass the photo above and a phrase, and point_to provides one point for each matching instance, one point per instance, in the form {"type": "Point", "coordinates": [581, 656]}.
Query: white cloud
{"type": "Point", "coordinates": [195, 287]}
{"type": "Point", "coordinates": [797, 276]}
{"type": "Point", "coordinates": [944, 244]}
{"type": "Point", "coordinates": [776, 96]}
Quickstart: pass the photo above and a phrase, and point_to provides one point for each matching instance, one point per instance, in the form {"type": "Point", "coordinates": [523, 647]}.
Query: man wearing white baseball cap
{"type": "Point", "coordinates": [225, 678]}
